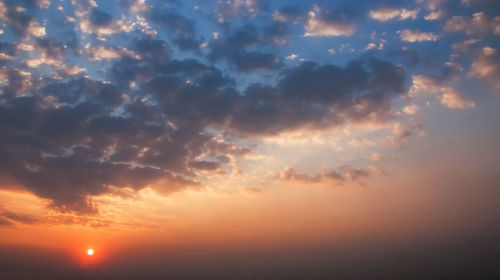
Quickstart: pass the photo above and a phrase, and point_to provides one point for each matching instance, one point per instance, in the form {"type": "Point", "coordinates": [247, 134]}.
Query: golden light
{"type": "Point", "coordinates": [90, 252]}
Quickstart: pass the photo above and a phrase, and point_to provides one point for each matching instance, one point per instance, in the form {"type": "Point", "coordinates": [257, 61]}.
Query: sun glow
{"type": "Point", "coordinates": [90, 252]}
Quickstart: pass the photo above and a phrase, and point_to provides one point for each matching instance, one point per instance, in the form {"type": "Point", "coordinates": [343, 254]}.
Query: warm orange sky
{"type": "Point", "coordinates": [249, 139]}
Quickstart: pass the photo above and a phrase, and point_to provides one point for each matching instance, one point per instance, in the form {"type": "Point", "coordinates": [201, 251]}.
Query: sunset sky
{"type": "Point", "coordinates": [249, 139]}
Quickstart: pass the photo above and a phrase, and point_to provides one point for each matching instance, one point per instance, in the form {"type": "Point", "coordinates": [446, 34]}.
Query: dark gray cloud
{"type": "Point", "coordinates": [238, 47]}
{"type": "Point", "coordinates": [100, 18]}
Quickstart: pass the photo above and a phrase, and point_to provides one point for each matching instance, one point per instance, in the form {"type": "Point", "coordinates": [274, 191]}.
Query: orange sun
{"type": "Point", "coordinates": [90, 252]}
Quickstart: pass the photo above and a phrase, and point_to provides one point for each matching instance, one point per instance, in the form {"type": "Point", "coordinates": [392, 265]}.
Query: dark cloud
{"type": "Point", "coordinates": [70, 139]}
{"type": "Point", "coordinates": [17, 217]}
{"type": "Point", "coordinates": [146, 117]}
{"type": "Point", "coordinates": [4, 222]}
{"type": "Point", "coordinates": [100, 18]}
{"type": "Point", "coordinates": [187, 43]}
{"type": "Point", "coordinates": [238, 47]}
{"type": "Point", "coordinates": [18, 20]}
{"type": "Point", "coordinates": [256, 61]}
{"type": "Point", "coordinates": [174, 22]}
{"type": "Point", "coordinates": [291, 14]}
{"type": "Point", "coordinates": [226, 11]}
{"type": "Point", "coordinates": [408, 55]}
{"type": "Point", "coordinates": [319, 97]}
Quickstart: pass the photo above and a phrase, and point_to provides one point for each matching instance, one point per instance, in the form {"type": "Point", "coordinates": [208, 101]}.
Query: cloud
{"type": "Point", "coordinates": [411, 109]}
{"type": "Point", "coordinates": [451, 98]}
{"type": "Point", "coordinates": [487, 67]}
{"type": "Point", "coordinates": [70, 70]}
{"type": "Point", "coordinates": [434, 15]}
{"type": "Point", "coordinates": [290, 14]}
{"type": "Point", "coordinates": [18, 217]}
{"type": "Point", "coordinates": [408, 35]}
{"type": "Point", "coordinates": [35, 29]}
{"type": "Point", "coordinates": [425, 84]}
{"type": "Point", "coordinates": [399, 133]}
{"type": "Point", "coordinates": [51, 53]}
{"type": "Point", "coordinates": [311, 96]}
{"type": "Point", "coordinates": [173, 21]}
{"type": "Point", "coordinates": [375, 157]}
{"type": "Point", "coordinates": [125, 106]}
{"type": "Point", "coordinates": [385, 14]}
{"type": "Point", "coordinates": [100, 52]}
{"type": "Point", "coordinates": [18, 19]}
{"type": "Point", "coordinates": [339, 176]}
{"type": "Point", "coordinates": [480, 23]}
{"type": "Point", "coordinates": [436, 85]}
{"type": "Point", "coordinates": [235, 44]}
{"type": "Point", "coordinates": [229, 10]}
{"type": "Point", "coordinates": [408, 55]}
{"type": "Point", "coordinates": [327, 25]}
{"type": "Point", "coordinates": [100, 23]}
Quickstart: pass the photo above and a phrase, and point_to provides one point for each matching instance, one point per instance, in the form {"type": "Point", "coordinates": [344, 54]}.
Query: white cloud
{"type": "Point", "coordinates": [317, 27]}
{"type": "Point", "coordinates": [408, 35]}
{"type": "Point", "coordinates": [4, 56]}
{"type": "Point", "coordinates": [447, 96]}
{"type": "Point", "coordinates": [480, 23]}
{"type": "Point", "coordinates": [108, 53]}
{"type": "Point", "coordinates": [487, 67]}
{"type": "Point", "coordinates": [43, 4]}
{"type": "Point", "coordinates": [423, 84]}
{"type": "Point", "coordinates": [292, 56]}
{"type": "Point", "coordinates": [370, 46]}
{"type": "Point", "coordinates": [434, 15]}
{"type": "Point", "coordinates": [410, 109]}
{"type": "Point", "coordinates": [454, 99]}
{"type": "Point", "coordinates": [35, 29]}
{"type": "Point", "coordinates": [385, 14]}
{"type": "Point", "coordinates": [139, 6]}
{"type": "Point", "coordinates": [399, 134]}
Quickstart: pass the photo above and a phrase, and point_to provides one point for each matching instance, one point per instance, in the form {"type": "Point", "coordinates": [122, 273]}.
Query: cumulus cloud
{"type": "Point", "coordinates": [45, 51]}
{"type": "Point", "coordinates": [410, 109]}
{"type": "Point", "coordinates": [451, 98]}
{"type": "Point", "coordinates": [385, 14]}
{"type": "Point", "coordinates": [400, 133]}
{"type": "Point", "coordinates": [101, 23]}
{"type": "Point", "coordinates": [487, 67]}
{"type": "Point", "coordinates": [327, 25]}
{"type": "Point", "coordinates": [235, 47]}
{"type": "Point", "coordinates": [435, 85]}
{"type": "Point", "coordinates": [19, 20]}
{"type": "Point", "coordinates": [408, 35]}
{"type": "Point", "coordinates": [480, 23]}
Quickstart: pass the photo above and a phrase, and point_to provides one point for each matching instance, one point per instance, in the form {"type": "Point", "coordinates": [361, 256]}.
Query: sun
{"type": "Point", "coordinates": [90, 252]}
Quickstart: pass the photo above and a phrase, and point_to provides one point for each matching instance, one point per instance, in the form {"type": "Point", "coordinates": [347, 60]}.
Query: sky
{"type": "Point", "coordinates": [249, 139]}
